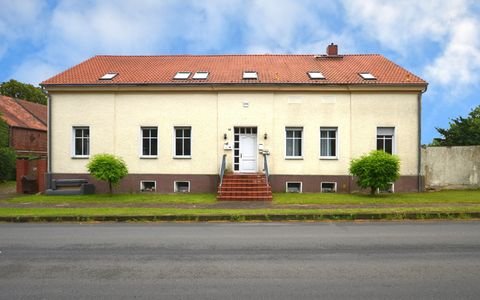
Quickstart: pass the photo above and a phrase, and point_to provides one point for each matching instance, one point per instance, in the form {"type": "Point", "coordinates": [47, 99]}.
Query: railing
{"type": "Point", "coordinates": [265, 165]}
{"type": "Point", "coordinates": [222, 169]}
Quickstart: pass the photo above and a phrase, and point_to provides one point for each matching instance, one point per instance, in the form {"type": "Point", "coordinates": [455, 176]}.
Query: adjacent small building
{"type": "Point", "coordinates": [173, 118]}
{"type": "Point", "coordinates": [27, 126]}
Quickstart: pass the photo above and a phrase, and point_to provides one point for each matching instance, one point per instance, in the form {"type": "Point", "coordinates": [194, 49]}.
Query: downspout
{"type": "Point", "coordinates": [419, 167]}
{"type": "Point", "coordinates": [49, 142]}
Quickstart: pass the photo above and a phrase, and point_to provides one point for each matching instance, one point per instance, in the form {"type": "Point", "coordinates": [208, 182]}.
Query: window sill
{"type": "Point", "coordinates": [148, 157]}
{"type": "Point", "coordinates": [182, 157]}
{"type": "Point", "coordinates": [81, 157]}
{"type": "Point", "coordinates": [294, 157]}
{"type": "Point", "coordinates": [328, 158]}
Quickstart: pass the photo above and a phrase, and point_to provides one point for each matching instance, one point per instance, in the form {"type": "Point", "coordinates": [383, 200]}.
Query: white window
{"type": "Point", "coordinates": [108, 76]}
{"type": "Point", "coordinates": [328, 142]}
{"type": "Point", "coordinates": [315, 75]}
{"type": "Point", "coordinates": [386, 139]}
{"type": "Point", "coordinates": [182, 75]}
{"type": "Point", "coordinates": [367, 76]}
{"type": "Point", "coordinates": [182, 186]}
{"type": "Point", "coordinates": [149, 141]}
{"type": "Point", "coordinates": [148, 186]}
{"type": "Point", "coordinates": [81, 141]}
{"type": "Point", "coordinates": [200, 75]}
{"type": "Point", "coordinates": [250, 75]}
{"type": "Point", "coordinates": [293, 142]}
{"type": "Point", "coordinates": [183, 142]}
{"type": "Point", "coordinates": [328, 187]}
{"type": "Point", "coordinates": [293, 187]}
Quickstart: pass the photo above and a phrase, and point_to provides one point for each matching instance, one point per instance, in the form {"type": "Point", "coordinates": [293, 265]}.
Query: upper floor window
{"type": "Point", "coordinates": [328, 142]}
{"type": "Point", "coordinates": [293, 142]}
{"type": "Point", "coordinates": [385, 139]}
{"type": "Point", "coordinates": [183, 141]}
{"type": "Point", "coordinates": [149, 141]}
{"type": "Point", "coordinates": [81, 141]}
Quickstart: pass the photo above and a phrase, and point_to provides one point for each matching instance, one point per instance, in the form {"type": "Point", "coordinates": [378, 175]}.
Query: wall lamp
{"type": "Point", "coordinates": [224, 136]}
{"type": "Point", "coordinates": [265, 136]}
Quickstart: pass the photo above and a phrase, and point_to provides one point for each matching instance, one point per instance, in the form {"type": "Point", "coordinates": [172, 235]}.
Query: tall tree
{"type": "Point", "coordinates": [25, 91]}
{"type": "Point", "coordinates": [462, 131]}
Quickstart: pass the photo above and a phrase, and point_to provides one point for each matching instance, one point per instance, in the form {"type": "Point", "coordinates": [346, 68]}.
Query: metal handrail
{"type": "Point", "coordinates": [265, 166]}
{"type": "Point", "coordinates": [222, 169]}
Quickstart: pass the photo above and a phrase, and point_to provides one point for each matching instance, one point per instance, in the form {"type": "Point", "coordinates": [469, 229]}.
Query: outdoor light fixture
{"type": "Point", "coordinates": [224, 136]}
{"type": "Point", "coordinates": [265, 136]}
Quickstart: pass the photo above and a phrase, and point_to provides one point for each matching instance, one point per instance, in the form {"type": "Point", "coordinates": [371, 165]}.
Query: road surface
{"type": "Point", "coordinates": [379, 260]}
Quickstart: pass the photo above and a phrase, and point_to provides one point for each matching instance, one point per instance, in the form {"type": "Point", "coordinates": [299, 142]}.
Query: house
{"type": "Point", "coordinates": [173, 118]}
{"type": "Point", "coordinates": [27, 125]}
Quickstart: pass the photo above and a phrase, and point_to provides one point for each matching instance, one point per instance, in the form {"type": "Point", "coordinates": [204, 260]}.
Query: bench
{"type": "Point", "coordinates": [71, 187]}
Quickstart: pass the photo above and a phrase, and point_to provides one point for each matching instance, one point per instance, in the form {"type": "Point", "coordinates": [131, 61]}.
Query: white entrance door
{"type": "Point", "coordinates": [248, 153]}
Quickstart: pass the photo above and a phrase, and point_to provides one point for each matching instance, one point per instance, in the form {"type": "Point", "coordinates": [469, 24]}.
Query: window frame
{"type": "Point", "coordinates": [294, 128]}
{"type": "Point", "coordinates": [329, 128]}
{"type": "Point", "coordinates": [182, 75]}
{"type": "Point", "coordinates": [142, 138]}
{"type": "Point", "coordinates": [289, 182]}
{"type": "Point", "coordinates": [154, 186]}
{"type": "Point", "coordinates": [334, 183]}
{"type": "Point", "coordinates": [394, 144]}
{"type": "Point", "coordinates": [74, 138]}
{"type": "Point", "coordinates": [175, 142]}
{"type": "Point", "coordinates": [175, 187]}
{"type": "Point", "coordinates": [250, 75]}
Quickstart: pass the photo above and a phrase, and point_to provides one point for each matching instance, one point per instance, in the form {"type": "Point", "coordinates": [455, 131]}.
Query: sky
{"type": "Point", "coordinates": [438, 40]}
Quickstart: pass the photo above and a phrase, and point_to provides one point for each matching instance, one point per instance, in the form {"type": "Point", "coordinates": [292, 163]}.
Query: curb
{"type": "Point", "coordinates": [245, 218]}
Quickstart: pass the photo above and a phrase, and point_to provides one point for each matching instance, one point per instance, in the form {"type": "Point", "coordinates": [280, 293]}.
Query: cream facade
{"type": "Point", "coordinates": [230, 121]}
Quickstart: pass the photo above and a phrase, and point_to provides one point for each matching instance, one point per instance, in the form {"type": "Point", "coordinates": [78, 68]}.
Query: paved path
{"type": "Point", "coordinates": [379, 260]}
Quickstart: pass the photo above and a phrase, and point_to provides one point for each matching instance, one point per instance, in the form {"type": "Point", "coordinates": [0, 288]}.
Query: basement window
{"type": "Point", "coordinates": [250, 75]}
{"type": "Point", "coordinates": [200, 75]}
{"type": "Point", "coordinates": [367, 76]}
{"type": "Point", "coordinates": [315, 75]}
{"type": "Point", "coordinates": [148, 186]}
{"type": "Point", "coordinates": [108, 76]}
{"type": "Point", "coordinates": [182, 75]}
{"type": "Point", "coordinates": [182, 186]}
{"type": "Point", "coordinates": [328, 187]}
{"type": "Point", "coordinates": [293, 187]}
{"type": "Point", "coordinates": [390, 189]}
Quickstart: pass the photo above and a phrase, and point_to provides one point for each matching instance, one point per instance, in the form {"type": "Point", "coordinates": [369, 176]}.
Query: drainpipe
{"type": "Point", "coordinates": [49, 142]}
{"type": "Point", "coordinates": [419, 167]}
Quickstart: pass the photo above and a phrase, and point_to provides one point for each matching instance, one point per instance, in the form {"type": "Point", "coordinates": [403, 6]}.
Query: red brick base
{"type": "Point", "coordinates": [208, 183]}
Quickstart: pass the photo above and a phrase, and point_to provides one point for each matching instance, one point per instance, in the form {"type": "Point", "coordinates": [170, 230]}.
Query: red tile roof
{"type": "Point", "coordinates": [21, 113]}
{"type": "Point", "coordinates": [228, 69]}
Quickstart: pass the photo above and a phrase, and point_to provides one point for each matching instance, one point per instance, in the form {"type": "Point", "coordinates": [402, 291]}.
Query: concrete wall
{"type": "Point", "coordinates": [451, 167]}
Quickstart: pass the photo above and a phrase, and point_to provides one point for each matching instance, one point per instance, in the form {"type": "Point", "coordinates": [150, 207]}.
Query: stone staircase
{"type": "Point", "coordinates": [244, 187]}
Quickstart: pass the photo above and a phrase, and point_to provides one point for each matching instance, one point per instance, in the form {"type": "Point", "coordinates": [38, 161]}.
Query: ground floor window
{"type": "Point", "coordinates": [293, 187]}
{"type": "Point", "coordinates": [181, 187]}
{"type": "Point", "coordinates": [390, 189]}
{"type": "Point", "coordinates": [293, 142]}
{"type": "Point", "coordinates": [148, 186]}
{"type": "Point", "coordinates": [183, 142]}
{"type": "Point", "coordinates": [328, 187]}
{"type": "Point", "coordinates": [385, 139]}
{"type": "Point", "coordinates": [81, 141]}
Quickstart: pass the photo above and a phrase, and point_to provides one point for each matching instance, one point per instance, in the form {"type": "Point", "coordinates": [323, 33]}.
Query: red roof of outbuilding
{"type": "Point", "coordinates": [24, 114]}
{"type": "Point", "coordinates": [228, 69]}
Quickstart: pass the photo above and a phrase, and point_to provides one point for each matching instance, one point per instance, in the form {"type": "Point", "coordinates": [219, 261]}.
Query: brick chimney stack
{"type": "Point", "coordinates": [332, 49]}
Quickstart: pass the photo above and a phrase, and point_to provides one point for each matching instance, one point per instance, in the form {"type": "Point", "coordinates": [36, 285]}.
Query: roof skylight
{"type": "Point", "coordinates": [367, 76]}
{"type": "Point", "coordinates": [250, 75]}
{"type": "Point", "coordinates": [315, 75]}
{"type": "Point", "coordinates": [200, 75]}
{"type": "Point", "coordinates": [182, 75]}
{"type": "Point", "coordinates": [108, 76]}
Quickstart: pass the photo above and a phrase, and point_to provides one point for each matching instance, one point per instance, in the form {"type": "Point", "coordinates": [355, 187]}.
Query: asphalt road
{"type": "Point", "coordinates": [379, 260]}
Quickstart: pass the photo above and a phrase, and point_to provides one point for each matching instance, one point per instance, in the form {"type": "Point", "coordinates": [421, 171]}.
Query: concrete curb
{"type": "Point", "coordinates": [246, 217]}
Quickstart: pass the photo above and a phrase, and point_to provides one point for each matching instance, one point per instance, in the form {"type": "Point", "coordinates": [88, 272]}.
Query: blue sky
{"type": "Point", "coordinates": [439, 40]}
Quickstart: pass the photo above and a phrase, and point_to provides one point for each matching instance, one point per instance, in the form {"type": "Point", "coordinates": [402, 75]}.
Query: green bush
{"type": "Point", "coordinates": [7, 164]}
{"type": "Point", "coordinates": [107, 167]}
{"type": "Point", "coordinates": [375, 170]}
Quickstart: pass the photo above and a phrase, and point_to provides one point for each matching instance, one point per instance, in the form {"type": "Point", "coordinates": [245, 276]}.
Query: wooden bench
{"type": "Point", "coordinates": [71, 187]}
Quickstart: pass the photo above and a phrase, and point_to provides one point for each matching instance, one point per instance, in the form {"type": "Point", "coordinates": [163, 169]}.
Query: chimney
{"type": "Point", "coordinates": [332, 50]}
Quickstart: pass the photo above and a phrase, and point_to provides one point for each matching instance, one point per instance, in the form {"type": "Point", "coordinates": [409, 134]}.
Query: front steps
{"type": "Point", "coordinates": [244, 187]}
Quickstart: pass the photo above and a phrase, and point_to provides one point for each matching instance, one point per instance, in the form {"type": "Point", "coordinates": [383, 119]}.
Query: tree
{"type": "Point", "coordinates": [7, 163]}
{"type": "Point", "coordinates": [375, 170]}
{"type": "Point", "coordinates": [20, 90]}
{"type": "Point", "coordinates": [462, 131]}
{"type": "Point", "coordinates": [107, 167]}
